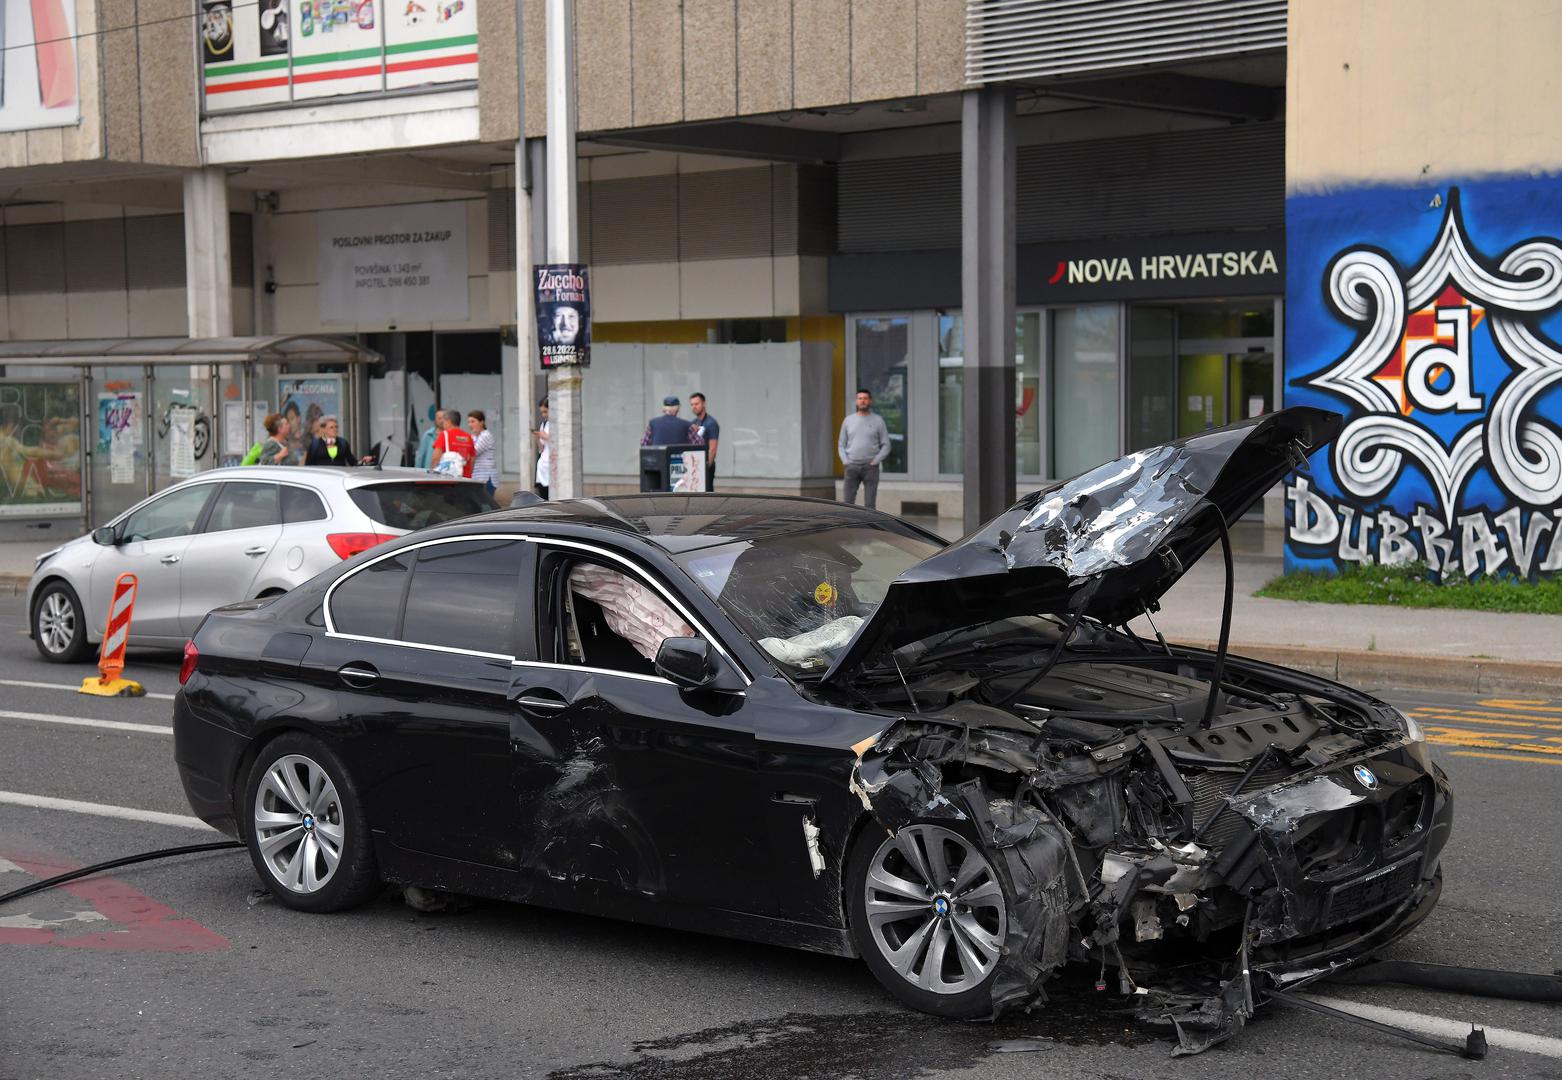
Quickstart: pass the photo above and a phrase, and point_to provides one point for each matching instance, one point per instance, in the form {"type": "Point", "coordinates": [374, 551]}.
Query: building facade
{"type": "Point", "coordinates": [780, 201]}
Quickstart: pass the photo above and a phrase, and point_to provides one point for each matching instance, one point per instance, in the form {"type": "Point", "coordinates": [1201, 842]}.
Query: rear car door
{"type": "Point", "coordinates": [153, 541]}
{"type": "Point", "coordinates": [222, 561]}
{"type": "Point", "coordinates": [628, 781]}
{"type": "Point", "coordinates": [420, 646]}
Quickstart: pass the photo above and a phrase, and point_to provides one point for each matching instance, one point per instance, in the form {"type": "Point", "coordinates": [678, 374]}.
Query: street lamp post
{"type": "Point", "coordinates": [564, 383]}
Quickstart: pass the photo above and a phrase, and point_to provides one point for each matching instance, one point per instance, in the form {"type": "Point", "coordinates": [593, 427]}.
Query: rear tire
{"type": "Point", "coordinates": [304, 824]}
{"type": "Point", "coordinates": [59, 624]}
{"type": "Point", "coordinates": [929, 911]}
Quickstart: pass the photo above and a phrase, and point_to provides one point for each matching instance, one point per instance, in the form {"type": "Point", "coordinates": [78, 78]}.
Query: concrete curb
{"type": "Point", "coordinates": [1364, 668]}
{"type": "Point", "coordinates": [14, 584]}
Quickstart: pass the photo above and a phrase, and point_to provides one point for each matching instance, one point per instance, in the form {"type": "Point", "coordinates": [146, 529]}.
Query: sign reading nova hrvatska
{"type": "Point", "coordinates": [1429, 317]}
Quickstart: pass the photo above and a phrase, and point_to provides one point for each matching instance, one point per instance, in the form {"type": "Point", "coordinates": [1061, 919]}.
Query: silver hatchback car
{"type": "Point", "coordinates": [226, 535]}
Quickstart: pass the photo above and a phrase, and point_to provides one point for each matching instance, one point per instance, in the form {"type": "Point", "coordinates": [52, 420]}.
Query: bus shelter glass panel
{"type": "Point", "coordinates": [40, 450]}
{"type": "Point", "coordinates": [181, 425]}
{"type": "Point", "coordinates": [119, 428]}
{"type": "Point", "coordinates": [1085, 387]}
{"type": "Point", "coordinates": [883, 369]}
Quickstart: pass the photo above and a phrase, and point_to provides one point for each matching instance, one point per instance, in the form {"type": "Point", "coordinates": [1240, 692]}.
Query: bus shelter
{"type": "Point", "coordinates": [90, 428]}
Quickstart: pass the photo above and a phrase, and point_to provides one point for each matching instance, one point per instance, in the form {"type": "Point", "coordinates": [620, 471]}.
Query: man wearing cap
{"type": "Point", "coordinates": [669, 429]}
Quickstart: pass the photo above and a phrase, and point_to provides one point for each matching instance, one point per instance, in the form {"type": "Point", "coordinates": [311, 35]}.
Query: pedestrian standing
{"type": "Point", "coordinates": [668, 429]}
{"type": "Point", "coordinates": [275, 449]}
{"type": "Point", "coordinates": [329, 448]}
{"type": "Point", "coordinates": [483, 450]}
{"type": "Point", "coordinates": [425, 455]}
{"type": "Point", "coordinates": [544, 437]}
{"type": "Point", "coordinates": [454, 453]}
{"type": "Point", "coordinates": [864, 444]}
{"type": "Point", "coordinates": [710, 434]}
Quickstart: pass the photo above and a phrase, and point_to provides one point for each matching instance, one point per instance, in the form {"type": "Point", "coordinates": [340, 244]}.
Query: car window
{"type": "Point", "coordinates": [301, 504]}
{"type": "Point", "coordinates": [368, 604]}
{"type": "Point", "coordinates": [174, 514]}
{"type": "Point", "coordinates": [417, 504]}
{"type": "Point", "coordinates": [615, 621]}
{"type": "Point", "coordinates": [463, 596]}
{"type": "Point", "coordinates": [245, 504]}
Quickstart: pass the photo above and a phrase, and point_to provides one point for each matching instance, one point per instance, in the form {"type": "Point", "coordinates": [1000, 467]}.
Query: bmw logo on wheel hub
{"type": "Point", "coordinates": [940, 906]}
{"type": "Point", "coordinates": [309, 823]}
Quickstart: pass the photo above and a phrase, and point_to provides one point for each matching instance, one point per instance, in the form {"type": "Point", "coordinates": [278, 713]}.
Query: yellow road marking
{"type": "Point", "coordinates": [1442, 718]}
{"type": "Point", "coordinates": [1528, 759]}
{"type": "Point", "coordinates": [1521, 705]}
{"type": "Point", "coordinates": [1492, 740]}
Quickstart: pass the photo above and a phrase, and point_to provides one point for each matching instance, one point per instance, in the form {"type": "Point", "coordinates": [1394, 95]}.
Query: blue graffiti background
{"type": "Point", "coordinates": [1403, 223]}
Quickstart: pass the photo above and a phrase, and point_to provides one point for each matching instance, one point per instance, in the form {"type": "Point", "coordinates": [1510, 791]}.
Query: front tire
{"type": "Point", "coordinates": [305, 827]}
{"type": "Point", "coordinates": [59, 624]}
{"type": "Point", "coordinates": [929, 912]}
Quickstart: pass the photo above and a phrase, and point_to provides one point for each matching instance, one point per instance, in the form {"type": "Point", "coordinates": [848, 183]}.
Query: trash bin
{"type": "Point", "coordinates": [672, 468]}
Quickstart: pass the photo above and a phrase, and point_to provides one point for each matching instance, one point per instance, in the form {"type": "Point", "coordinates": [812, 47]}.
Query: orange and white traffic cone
{"type": "Point", "coordinates": [116, 635]}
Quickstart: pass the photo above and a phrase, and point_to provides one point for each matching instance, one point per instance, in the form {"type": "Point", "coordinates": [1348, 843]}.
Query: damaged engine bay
{"type": "Point", "coordinates": [1197, 864]}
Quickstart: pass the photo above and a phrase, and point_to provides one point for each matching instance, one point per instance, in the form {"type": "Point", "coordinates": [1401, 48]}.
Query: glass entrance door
{"type": "Point", "coordinates": [883, 350]}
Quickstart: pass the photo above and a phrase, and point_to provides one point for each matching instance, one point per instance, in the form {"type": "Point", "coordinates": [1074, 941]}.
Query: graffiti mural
{"type": "Point", "coordinates": [1430, 317]}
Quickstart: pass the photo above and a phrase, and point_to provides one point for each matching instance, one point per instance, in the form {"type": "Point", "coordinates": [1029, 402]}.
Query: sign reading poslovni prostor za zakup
{"type": "Point", "coordinates": [393, 265]}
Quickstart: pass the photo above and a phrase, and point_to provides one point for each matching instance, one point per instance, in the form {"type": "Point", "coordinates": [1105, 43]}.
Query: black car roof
{"type": "Point", "coordinates": [682, 522]}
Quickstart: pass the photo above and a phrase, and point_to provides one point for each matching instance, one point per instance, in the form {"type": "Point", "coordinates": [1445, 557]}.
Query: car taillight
{"type": "Point", "coordinates": [346, 545]}
{"type": "Point", "coordinates": [192, 657]}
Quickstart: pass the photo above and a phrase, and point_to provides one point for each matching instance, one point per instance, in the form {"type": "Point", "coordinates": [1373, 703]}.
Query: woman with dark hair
{"type": "Point", "coordinates": [330, 449]}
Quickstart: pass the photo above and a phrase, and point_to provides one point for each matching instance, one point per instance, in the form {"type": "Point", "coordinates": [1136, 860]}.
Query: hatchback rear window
{"type": "Point", "coordinates": [418, 504]}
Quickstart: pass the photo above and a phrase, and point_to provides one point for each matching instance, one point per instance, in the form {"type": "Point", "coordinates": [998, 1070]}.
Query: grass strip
{"type": "Point", "coordinates": [1412, 585]}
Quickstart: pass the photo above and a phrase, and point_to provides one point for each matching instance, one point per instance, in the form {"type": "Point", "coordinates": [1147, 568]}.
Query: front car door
{"type": "Point", "coordinates": [419, 648]}
{"type": "Point", "coordinates": [153, 540]}
{"type": "Point", "coordinates": [629, 783]}
{"type": "Point", "coordinates": [222, 560]}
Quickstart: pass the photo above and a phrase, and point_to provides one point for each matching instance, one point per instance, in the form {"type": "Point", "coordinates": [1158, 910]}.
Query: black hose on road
{"type": "Point", "coordinates": [98, 868]}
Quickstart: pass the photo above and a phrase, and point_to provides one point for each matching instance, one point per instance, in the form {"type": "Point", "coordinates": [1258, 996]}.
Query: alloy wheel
{"type": "Point", "coordinates": [298, 824]}
{"type": "Point", "coordinates": [56, 622]}
{"type": "Point", "coordinates": [935, 909]}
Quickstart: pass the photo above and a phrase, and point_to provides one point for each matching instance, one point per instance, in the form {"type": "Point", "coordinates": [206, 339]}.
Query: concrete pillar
{"type": "Point", "coordinates": [565, 411]}
{"type": "Point", "coordinates": [208, 266]}
{"type": "Point", "coordinates": [987, 299]}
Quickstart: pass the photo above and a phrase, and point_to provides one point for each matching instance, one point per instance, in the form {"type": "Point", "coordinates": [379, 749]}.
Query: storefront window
{"type": "Point", "coordinates": [1027, 393]}
{"type": "Point", "coordinates": [1152, 377]}
{"type": "Point", "coordinates": [883, 366]}
{"type": "Point", "coordinates": [1085, 387]}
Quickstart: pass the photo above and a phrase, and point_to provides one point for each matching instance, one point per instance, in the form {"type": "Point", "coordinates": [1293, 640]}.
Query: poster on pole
{"type": "Point", "coordinates": [40, 449]}
{"type": "Point", "coordinates": [563, 300]}
{"type": "Point", "coordinates": [394, 264]}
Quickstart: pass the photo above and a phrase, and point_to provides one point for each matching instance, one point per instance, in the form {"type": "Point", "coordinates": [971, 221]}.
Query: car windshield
{"type": "Point", "coordinates": [802, 596]}
{"type": "Point", "coordinates": [417, 504]}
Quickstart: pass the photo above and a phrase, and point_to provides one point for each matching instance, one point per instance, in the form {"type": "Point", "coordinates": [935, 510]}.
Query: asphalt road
{"type": "Point", "coordinates": [183, 968]}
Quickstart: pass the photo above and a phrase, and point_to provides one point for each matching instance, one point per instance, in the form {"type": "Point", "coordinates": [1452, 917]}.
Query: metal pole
{"type": "Point", "coordinates": [525, 323]}
{"type": "Point", "coordinates": [564, 406]}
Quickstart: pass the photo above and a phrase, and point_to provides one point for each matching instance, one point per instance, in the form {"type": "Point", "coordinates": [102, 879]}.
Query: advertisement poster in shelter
{"type": "Point", "coordinates": [40, 449]}
{"type": "Point", "coordinates": [563, 301]}
{"type": "Point", "coordinates": [119, 434]}
{"type": "Point", "coordinates": [305, 400]}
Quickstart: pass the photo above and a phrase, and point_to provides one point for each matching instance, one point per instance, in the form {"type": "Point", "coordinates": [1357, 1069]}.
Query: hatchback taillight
{"type": "Point", "coordinates": [346, 545]}
{"type": "Point", "coordinates": [192, 657]}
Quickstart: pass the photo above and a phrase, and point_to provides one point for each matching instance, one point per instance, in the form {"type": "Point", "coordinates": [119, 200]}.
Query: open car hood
{"type": "Point", "coordinates": [1110, 541]}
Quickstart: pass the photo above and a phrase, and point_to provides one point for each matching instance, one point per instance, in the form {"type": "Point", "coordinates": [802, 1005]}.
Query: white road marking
{"type": "Point", "coordinates": [81, 721]}
{"type": "Point", "coordinates": [1442, 1027]}
{"type": "Point", "coordinates": [72, 687]}
{"type": "Point", "coordinates": [126, 813]}
{"type": "Point", "coordinates": [28, 922]}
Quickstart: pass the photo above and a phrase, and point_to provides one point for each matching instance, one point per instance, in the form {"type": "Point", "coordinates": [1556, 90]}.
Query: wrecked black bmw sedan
{"type": "Point", "coordinates": [816, 725]}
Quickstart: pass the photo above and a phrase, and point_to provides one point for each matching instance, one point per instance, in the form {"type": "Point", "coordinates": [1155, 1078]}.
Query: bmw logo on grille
{"type": "Point", "coordinates": [1365, 777]}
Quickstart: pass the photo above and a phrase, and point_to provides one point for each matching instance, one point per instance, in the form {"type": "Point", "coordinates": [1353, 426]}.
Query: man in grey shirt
{"type": "Point", "coordinates": [864, 444]}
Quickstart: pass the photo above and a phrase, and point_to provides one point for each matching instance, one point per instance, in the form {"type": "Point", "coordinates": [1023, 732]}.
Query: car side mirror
{"type": "Point", "coordinates": [107, 536]}
{"type": "Point", "coordinates": [688, 662]}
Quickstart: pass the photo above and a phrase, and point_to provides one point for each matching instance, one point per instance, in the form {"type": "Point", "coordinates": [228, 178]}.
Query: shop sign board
{"type": "Point", "coordinates": [38, 86]}
{"type": "Point", "coordinates": [1431, 318]}
{"type": "Point", "coordinates": [277, 51]}
{"type": "Point", "coordinates": [40, 449]}
{"type": "Point", "coordinates": [394, 265]}
{"type": "Point", "coordinates": [563, 300]}
{"type": "Point", "coordinates": [1151, 268]}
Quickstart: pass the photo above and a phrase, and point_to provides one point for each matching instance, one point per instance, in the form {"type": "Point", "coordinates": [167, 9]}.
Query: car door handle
{"type": "Point", "coordinates": [541, 699]}
{"type": "Point", "coordinates": [358, 674]}
{"type": "Point", "coordinates": [169, 560]}
{"type": "Point", "coordinates": [256, 550]}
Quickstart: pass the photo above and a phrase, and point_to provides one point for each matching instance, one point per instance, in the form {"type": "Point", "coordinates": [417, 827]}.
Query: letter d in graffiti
{"type": "Point", "coordinates": [1428, 365]}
